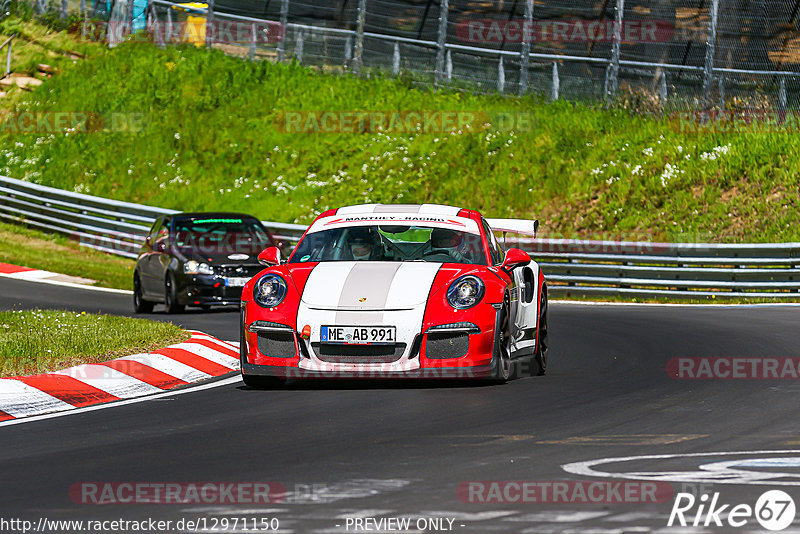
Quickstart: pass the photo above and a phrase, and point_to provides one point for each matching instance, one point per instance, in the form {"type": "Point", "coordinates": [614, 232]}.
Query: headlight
{"type": "Point", "coordinates": [192, 267]}
{"type": "Point", "coordinates": [269, 291]}
{"type": "Point", "coordinates": [465, 292]}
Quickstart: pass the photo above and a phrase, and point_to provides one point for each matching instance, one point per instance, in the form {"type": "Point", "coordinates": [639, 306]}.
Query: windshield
{"type": "Point", "coordinates": [391, 243]}
{"type": "Point", "coordinates": [220, 235]}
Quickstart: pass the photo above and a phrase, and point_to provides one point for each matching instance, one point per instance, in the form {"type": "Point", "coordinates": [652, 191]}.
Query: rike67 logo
{"type": "Point", "coordinates": [774, 510]}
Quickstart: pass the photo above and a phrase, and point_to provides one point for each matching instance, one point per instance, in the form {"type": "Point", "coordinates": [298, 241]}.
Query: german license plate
{"type": "Point", "coordinates": [236, 282]}
{"type": "Point", "coordinates": [358, 335]}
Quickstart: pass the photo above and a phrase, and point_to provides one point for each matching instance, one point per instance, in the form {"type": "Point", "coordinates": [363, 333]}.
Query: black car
{"type": "Point", "coordinates": [198, 259]}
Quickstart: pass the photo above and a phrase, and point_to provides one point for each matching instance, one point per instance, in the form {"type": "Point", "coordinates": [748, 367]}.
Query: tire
{"type": "Point", "coordinates": [139, 304]}
{"type": "Point", "coordinates": [171, 295]}
{"type": "Point", "coordinates": [539, 362]}
{"type": "Point", "coordinates": [502, 366]}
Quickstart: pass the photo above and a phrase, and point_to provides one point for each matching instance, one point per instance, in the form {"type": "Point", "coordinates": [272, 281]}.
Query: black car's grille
{"type": "Point", "coordinates": [237, 271]}
{"type": "Point", "coordinates": [446, 345]}
{"type": "Point", "coordinates": [359, 353]}
{"type": "Point", "coordinates": [276, 344]}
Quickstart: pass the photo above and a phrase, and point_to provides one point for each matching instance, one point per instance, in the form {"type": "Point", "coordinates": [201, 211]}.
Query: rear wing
{"type": "Point", "coordinates": [514, 226]}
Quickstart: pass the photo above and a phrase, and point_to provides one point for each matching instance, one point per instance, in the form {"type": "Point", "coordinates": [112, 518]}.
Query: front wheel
{"type": "Point", "coordinates": [171, 295]}
{"type": "Point", "coordinates": [139, 304]}
{"type": "Point", "coordinates": [501, 355]}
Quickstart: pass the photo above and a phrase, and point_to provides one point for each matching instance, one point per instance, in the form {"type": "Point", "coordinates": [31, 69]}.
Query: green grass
{"type": "Point", "coordinates": [40, 341]}
{"type": "Point", "coordinates": [210, 142]}
{"type": "Point", "coordinates": [38, 250]}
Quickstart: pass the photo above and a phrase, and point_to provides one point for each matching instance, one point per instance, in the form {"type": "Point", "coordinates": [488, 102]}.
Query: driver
{"type": "Point", "coordinates": [449, 241]}
{"type": "Point", "coordinates": [364, 244]}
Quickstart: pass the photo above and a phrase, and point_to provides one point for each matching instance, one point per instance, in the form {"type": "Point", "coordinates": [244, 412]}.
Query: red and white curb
{"type": "Point", "coordinates": [18, 272]}
{"type": "Point", "coordinates": [199, 358]}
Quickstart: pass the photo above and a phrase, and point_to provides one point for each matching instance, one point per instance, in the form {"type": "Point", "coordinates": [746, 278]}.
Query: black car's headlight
{"type": "Point", "coordinates": [193, 267]}
{"type": "Point", "coordinates": [465, 292]}
{"type": "Point", "coordinates": [270, 290]}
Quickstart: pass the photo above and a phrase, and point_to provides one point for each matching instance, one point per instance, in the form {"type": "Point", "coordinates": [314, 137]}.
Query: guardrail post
{"type": "Point", "coordinates": [662, 87]}
{"type": "Point", "coordinates": [556, 82]}
{"type": "Point", "coordinates": [711, 43]}
{"type": "Point", "coordinates": [396, 59]}
{"type": "Point", "coordinates": [444, 8]}
{"type": "Point", "coordinates": [612, 72]}
{"type": "Point", "coordinates": [209, 23]}
{"type": "Point", "coordinates": [362, 15]}
{"type": "Point", "coordinates": [252, 54]}
{"type": "Point", "coordinates": [284, 23]}
{"type": "Point", "coordinates": [525, 59]}
{"type": "Point", "coordinates": [348, 51]}
{"type": "Point", "coordinates": [298, 47]}
{"type": "Point", "coordinates": [448, 66]}
{"type": "Point", "coordinates": [781, 94]}
{"type": "Point", "coordinates": [168, 30]}
{"type": "Point", "coordinates": [501, 76]}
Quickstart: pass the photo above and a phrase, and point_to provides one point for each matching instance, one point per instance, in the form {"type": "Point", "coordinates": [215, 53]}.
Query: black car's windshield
{"type": "Point", "coordinates": [391, 243]}
{"type": "Point", "coordinates": [222, 234]}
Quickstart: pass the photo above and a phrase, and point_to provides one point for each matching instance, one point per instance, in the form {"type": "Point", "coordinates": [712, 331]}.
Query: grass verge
{"type": "Point", "coordinates": [211, 138]}
{"type": "Point", "coordinates": [50, 252]}
{"type": "Point", "coordinates": [40, 341]}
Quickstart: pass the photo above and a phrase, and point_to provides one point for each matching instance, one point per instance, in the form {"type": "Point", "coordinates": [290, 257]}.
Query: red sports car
{"type": "Point", "coordinates": [385, 291]}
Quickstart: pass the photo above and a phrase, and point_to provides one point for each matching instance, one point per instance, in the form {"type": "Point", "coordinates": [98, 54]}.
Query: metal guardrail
{"type": "Point", "coordinates": [572, 267]}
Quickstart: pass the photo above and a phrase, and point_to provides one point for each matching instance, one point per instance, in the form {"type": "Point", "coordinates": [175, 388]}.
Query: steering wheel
{"type": "Point", "coordinates": [437, 252]}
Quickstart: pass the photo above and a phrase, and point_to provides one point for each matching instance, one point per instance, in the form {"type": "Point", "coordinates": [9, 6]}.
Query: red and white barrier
{"type": "Point", "coordinates": [199, 358]}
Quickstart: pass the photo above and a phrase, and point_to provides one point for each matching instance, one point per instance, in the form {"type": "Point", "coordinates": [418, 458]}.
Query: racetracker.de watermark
{"type": "Point", "coordinates": [400, 122]}
{"type": "Point", "coordinates": [563, 31]}
{"type": "Point", "coordinates": [741, 121]}
{"type": "Point", "coordinates": [177, 492]}
{"type": "Point", "coordinates": [564, 492]}
{"type": "Point", "coordinates": [216, 32]}
{"type": "Point", "coordinates": [68, 122]}
{"type": "Point", "coordinates": [733, 368]}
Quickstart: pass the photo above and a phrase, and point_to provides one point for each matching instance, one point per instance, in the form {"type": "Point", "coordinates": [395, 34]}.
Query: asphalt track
{"type": "Point", "coordinates": [366, 449]}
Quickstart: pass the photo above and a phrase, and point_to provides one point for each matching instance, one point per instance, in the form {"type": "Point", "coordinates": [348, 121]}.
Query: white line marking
{"type": "Point", "coordinates": [216, 384]}
{"type": "Point", "coordinates": [67, 284]}
{"type": "Point", "coordinates": [586, 468]}
{"type": "Point", "coordinates": [673, 304]}
{"type": "Point", "coordinates": [210, 354]}
{"type": "Point", "coordinates": [111, 381]}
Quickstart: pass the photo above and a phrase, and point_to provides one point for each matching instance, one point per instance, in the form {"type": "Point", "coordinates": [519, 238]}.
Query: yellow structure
{"type": "Point", "coordinates": [194, 31]}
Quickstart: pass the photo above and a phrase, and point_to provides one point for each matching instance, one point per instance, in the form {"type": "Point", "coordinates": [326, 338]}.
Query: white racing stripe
{"type": "Point", "coordinates": [20, 400]}
{"type": "Point", "coordinates": [110, 380]}
{"type": "Point", "coordinates": [169, 366]}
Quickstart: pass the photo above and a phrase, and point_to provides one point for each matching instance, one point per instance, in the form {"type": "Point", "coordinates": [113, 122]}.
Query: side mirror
{"type": "Point", "coordinates": [160, 246]}
{"type": "Point", "coordinates": [515, 258]}
{"type": "Point", "coordinates": [270, 256]}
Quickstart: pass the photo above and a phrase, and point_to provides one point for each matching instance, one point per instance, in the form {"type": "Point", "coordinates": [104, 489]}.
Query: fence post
{"type": "Point", "coordinates": [448, 66]}
{"type": "Point", "coordinates": [501, 76]}
{"type": "Point", "coordinates": [722, 89]}
{"type": "Point", "coordinates": [298, 47]}
{"type": "Point", "coordinates": [63, 9]}
{"type": "Point", "coordinates": [169, 25]}
{"type": "Point", "coordinates": [444, 8]}
{"type": "Point", "coordinates": [362, 14]}
{"type": "Point", "coordinates": [711, 43]}
{"type": "Point", "coordinates": [781, 95]}
{"type": "Point", "coordinates": [252, 41]}
{"type": "Point", "coordinates": [525, 59]}
{"type": "Point", "coordinates": [209, 23]}
{"type": "Point", "coordinates": [396, 59]}
{"type": "Point", "coordinates": [284, 23]}
{"type": "Point", "coordinates": [662, 88]}
{"type": "Point", "coordinates": [129, 16]}
{"type": "Point", "coordinates": [612, 72]}
{"type": "Point", "coordinates": [348, 50]}
{"type": "Point", "coordinates": [556, 82]}
{"type": "Point", "coordinates": [83, 16]}
{"type": "Point", "coordinates": [8, 58]}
